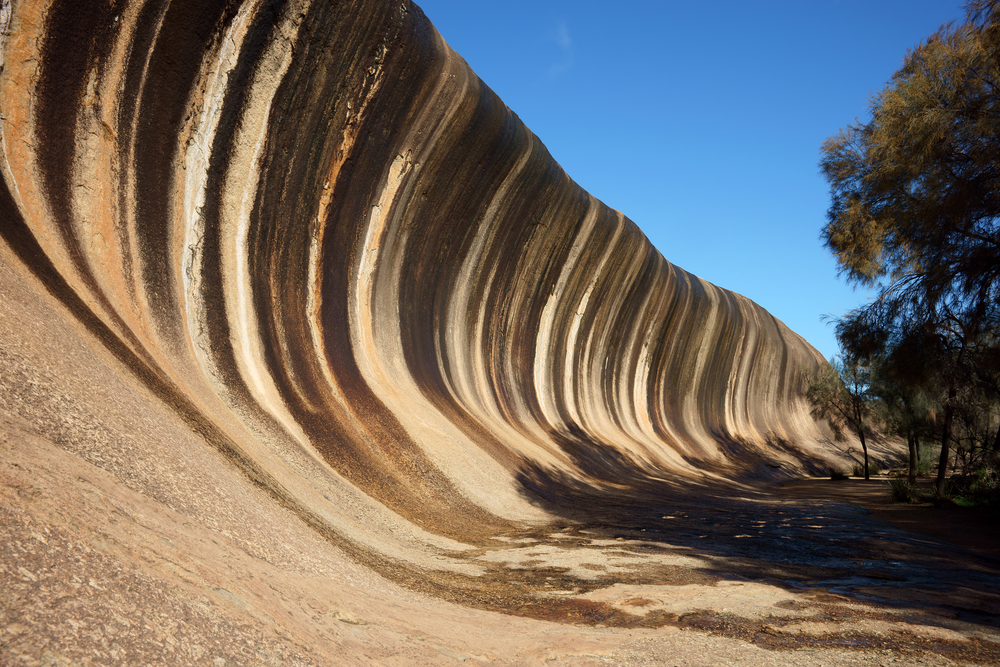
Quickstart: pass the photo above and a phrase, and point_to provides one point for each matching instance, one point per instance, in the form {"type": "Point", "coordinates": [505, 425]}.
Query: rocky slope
{"type": "Point", "coordinates": [288, 276]}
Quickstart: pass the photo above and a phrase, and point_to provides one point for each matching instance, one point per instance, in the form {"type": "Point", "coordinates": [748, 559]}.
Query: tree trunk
{"type": "Point", "coordinates": [861, 434]}
{"type": "Point", "coordinates": [949, 412]}
{"type": "Point", "coordinates": [996, 441]}
{"type": "Point", "coordinates": [911, 441]}
{"type": "Point", "coordinates": [865, 448]}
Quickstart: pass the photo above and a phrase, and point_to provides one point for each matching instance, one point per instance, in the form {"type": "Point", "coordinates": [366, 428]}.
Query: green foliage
{"type": "Point", "coordinates": [944, 495]}
{"type": "Point", "coordinates": [981, 486]}
{"type": "Point", "coordinates": [901, 491]}
{"type": "Point", "coordinates": [986, 487]}
{"type": "Point", "coordinates": [859, 470]}
{"type": "Point", "coordinates": [840, 394]}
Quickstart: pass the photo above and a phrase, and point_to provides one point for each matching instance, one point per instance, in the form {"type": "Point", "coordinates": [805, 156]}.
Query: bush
{"type": "Point", "coordinates": [837, 475]}
{"type": "Point", "coordinates": [946, 496]}
{"type": "Point", "coordinates": [985, 487]}
{"type": "Point", "coordinates": [859, 470]}
{"type": "Point", "coordinates": [901, 491]}
{"type": "Point", "coordinates": [980, 487]}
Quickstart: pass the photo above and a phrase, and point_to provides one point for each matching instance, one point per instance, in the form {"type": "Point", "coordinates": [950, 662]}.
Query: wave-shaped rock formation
{"type": "Point", "coordinates": [328, 293]}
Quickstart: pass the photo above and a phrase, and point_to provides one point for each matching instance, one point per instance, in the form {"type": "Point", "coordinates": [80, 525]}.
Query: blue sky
{"type": "Point", "coordinates": [702, 122]}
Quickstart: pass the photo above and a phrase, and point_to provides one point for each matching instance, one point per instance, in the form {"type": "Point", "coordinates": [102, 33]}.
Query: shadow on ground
{"type": "Point", "coordinates": [827, 550]}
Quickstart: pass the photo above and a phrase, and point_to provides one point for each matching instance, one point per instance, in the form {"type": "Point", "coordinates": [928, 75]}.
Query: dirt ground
{"type": "Point", "coordinates": [973, 528]}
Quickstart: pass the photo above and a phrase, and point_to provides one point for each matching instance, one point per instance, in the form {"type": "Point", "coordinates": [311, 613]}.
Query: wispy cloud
{"type": "Point", "coordinates": [562, 37]}
{"type": "Point", "coordinates": [565, 44]}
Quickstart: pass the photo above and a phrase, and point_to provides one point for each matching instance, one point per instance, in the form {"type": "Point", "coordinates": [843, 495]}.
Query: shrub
{"type": "Point", "coordinates": [981, 486]}
{"type": "Point", "coordinates": [859, 469]}
{"type": "Point", "coordinates": [837, 475]}
{"type": "Point", "coordinates": [901, 491]}
{"type": "Point", "coordinates": [984, 486]}
{"type": "Point", "coordinates": [946, 496]}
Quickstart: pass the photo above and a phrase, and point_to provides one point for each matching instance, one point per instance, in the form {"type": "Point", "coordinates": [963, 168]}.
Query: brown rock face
{"type": "Point", "coordinates": [288, 280]}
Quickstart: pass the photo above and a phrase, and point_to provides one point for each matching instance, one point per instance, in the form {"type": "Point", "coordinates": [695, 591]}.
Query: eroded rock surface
{"type": "Point", "coordinates": [310, 351]}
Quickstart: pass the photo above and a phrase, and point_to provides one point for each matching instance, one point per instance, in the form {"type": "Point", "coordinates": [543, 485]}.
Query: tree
{"type": "Point", "coordinates": [915, 204]}
{"type": "Point", "coordinates": [919, 346]}
{"type": "Point", "coordinates": [841, 394]}
{"type": "Point", "coordinates": [905, 409]}
{"type": "Point", "coordinates": [904, 376]}
{"type": "Point", "coordinates": [916, 190]}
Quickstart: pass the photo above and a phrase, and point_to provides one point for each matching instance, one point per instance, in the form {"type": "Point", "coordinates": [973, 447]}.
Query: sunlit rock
{"type": "Point", "coordinates": [304, 279]}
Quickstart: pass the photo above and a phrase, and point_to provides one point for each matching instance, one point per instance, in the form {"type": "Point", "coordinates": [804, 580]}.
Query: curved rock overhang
{"type": "Point", "coordinates": [318, 238]}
